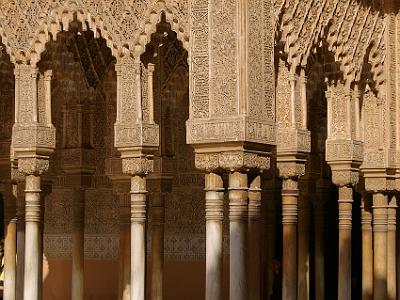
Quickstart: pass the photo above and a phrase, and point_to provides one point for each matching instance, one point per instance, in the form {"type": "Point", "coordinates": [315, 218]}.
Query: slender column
{"type": "Point", "coordinates": [254, 236]}
{"type": "Point", "coordinates": [124, 249]}
{"type": "Point", "coordinates": [238, 202]}
{"type": "Point", "coordinates": [32, 237]}
{"type": "Point", "coordinates": [10, 243]}
{"type": "Point", "coordinates": [391, 250]}
{"type": "Point", "coordinates": [367, 248]}
{"type": "Point", "coordinates": [20, 241]}
{"type": "Point", "coordinates": [319, 246]}
{"type": "Point", "coordinates": [380, 214]}
{"type": "Point", "coordinates": [78, 256]}
{"type": "Point", "coordinates": [157, 247]}
{"type": "Point", "coordinates": [290, 194]}
{"type": "Point", "coordinates": [345, 225]}
{"type": "Point", "coordinates": [138, 240]}
{"type": "Point", "coordinates": [214, 237]}
{"type": "Point", "coordinates": [303, 245]}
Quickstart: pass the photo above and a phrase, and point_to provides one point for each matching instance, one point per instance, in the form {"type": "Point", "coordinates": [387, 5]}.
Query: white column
{"type": "Point", "coordinates": [238, 210]}
{"type": "Point", "coordinates": [214, 237]}
{"type": "Point", "coordinates": [345, 226]}
{"type": "Point", "coordinates": [290, 194]}
{"type": "Point", "coordinates": [391, 249]}
{"type": "Point", "coordinates": [124, 292]}
{"type": "Point", "coordinates": [78, 240]}
{"type": "Point", "coordinates": [157, 246]}
{"type": "Point", "coordinates": [33, 238]}
{"type": "Point", "coordinates": [20, 241]}
{"type": "Point", "coordinates": [380, 214]}
{"type": "Point", "coordinates": [138, 237]}
{"type": "Point", "coordinates": [367, 248]}
{"type": "Point", "coordinates": [10, 244]}
{"type": "Point", "coordinates": [254, 239]}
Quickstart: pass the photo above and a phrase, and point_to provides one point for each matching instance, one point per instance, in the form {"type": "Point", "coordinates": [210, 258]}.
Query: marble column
{"type": "Point", "coordinates": [32, 280]}
{"type": "Point", "coordinates": [345, 225]}
{"type": "Point", "coordinates": [10, 245]}
{"type": "Point", "coordinates": [367, 247]}
{"type": "Point", "coordinates": [290, 194]}
{"type": "Point", "coordinates": [20, 241]}
{"type": "Point", "coordinates": [238, 215]}
{"type": "Point", "coordinates": [303, 244]}
{"type": "Point", "coordinates": [380, 227]}
{"type": "Point", "coordinates": [124, 249]}
{"type": "Point", "coordinates": [319, 245]}
{"type": "Point", "coordinates": [391, 249]}
{"type": "Point", "coordinates": [78, 240]}
{"type": "Point", "coordinates": [214, 198]}
{"type": "Point", "coordinates": [254, 239]}
{"type": "Point", "coordinates": [157, 246]}
{"type": "Point", "coordinates": [138, 237]}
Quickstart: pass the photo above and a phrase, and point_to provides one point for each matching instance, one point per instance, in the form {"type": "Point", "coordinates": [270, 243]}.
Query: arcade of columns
{"type": "Point", "coordinates": [300, 96]}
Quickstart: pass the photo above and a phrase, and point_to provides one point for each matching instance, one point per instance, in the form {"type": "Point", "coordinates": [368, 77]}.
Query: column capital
{"type": "Point", "coordinates": [291, 168]}
{"type": "Point", "coordinates": [33, 166]}
{"type": "Point", "coordinates": [231, 161]}
{"type": "Point", "coordinates": [137, 166]}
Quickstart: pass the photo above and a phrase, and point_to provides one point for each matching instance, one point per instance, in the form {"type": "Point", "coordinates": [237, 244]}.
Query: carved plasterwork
{"type": "Point", "coordinates": [231, 161]}
{"type": "Point", "coordinates": [125, 25]}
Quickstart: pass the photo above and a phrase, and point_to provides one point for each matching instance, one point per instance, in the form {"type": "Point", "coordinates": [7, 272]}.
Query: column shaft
{"type": "Point", "coordinates": [290, 194]}
{"type": "Point", "coordinates": [214, 237]}
{"type": "Point", "coordinates": [10, 247]}
{"type": "Point", "coordinates": [367, 248]}
{"type": "Point", "coordinates": [32, 278]}
{"type": "Point", "coordinates": [238, 210]}
{"type": "Point", "coordinates": [319, 247]}
{"type": "Point", "coordinates": [380, 228]}
{"type": "Point", "coordinates": [138, 240]}
{"type": "Point", "coordinates": [345, 226]}
{"type": "Point", "coordinates": [157, 248]}
{"type": "Point", "coordinates": [78, 241]}
{"type": "Point", "coordinates": [124, 249]}
{"type": "Point", "coordinates": [391, 250]}
{"type": "Point", "coordinates": [254, 236]}
{"type": "Point", "coordinates": [20, 242]}
{"type": "Point", "coordinates": [303, 244]}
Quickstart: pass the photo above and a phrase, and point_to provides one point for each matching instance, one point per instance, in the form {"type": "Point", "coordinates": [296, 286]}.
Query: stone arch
{"type": "Point", "coordinates": [150, 21]}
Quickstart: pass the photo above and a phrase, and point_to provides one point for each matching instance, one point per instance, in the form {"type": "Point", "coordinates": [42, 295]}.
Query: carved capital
{"type": "Point", "coordinates": [33, 166]}
{"type": "Point", "coordinates": [240, 160]}
{"type": "Point", "coordinates": [137, 166]}
{"type": "Point", "coordinates": [207, 162]}
{"type": "Point", "coordinates": [231, 161]}
{"type": "Point", "coordinates": [344, 177]}
{"type": "Point", "coordinates": [291, 168]}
